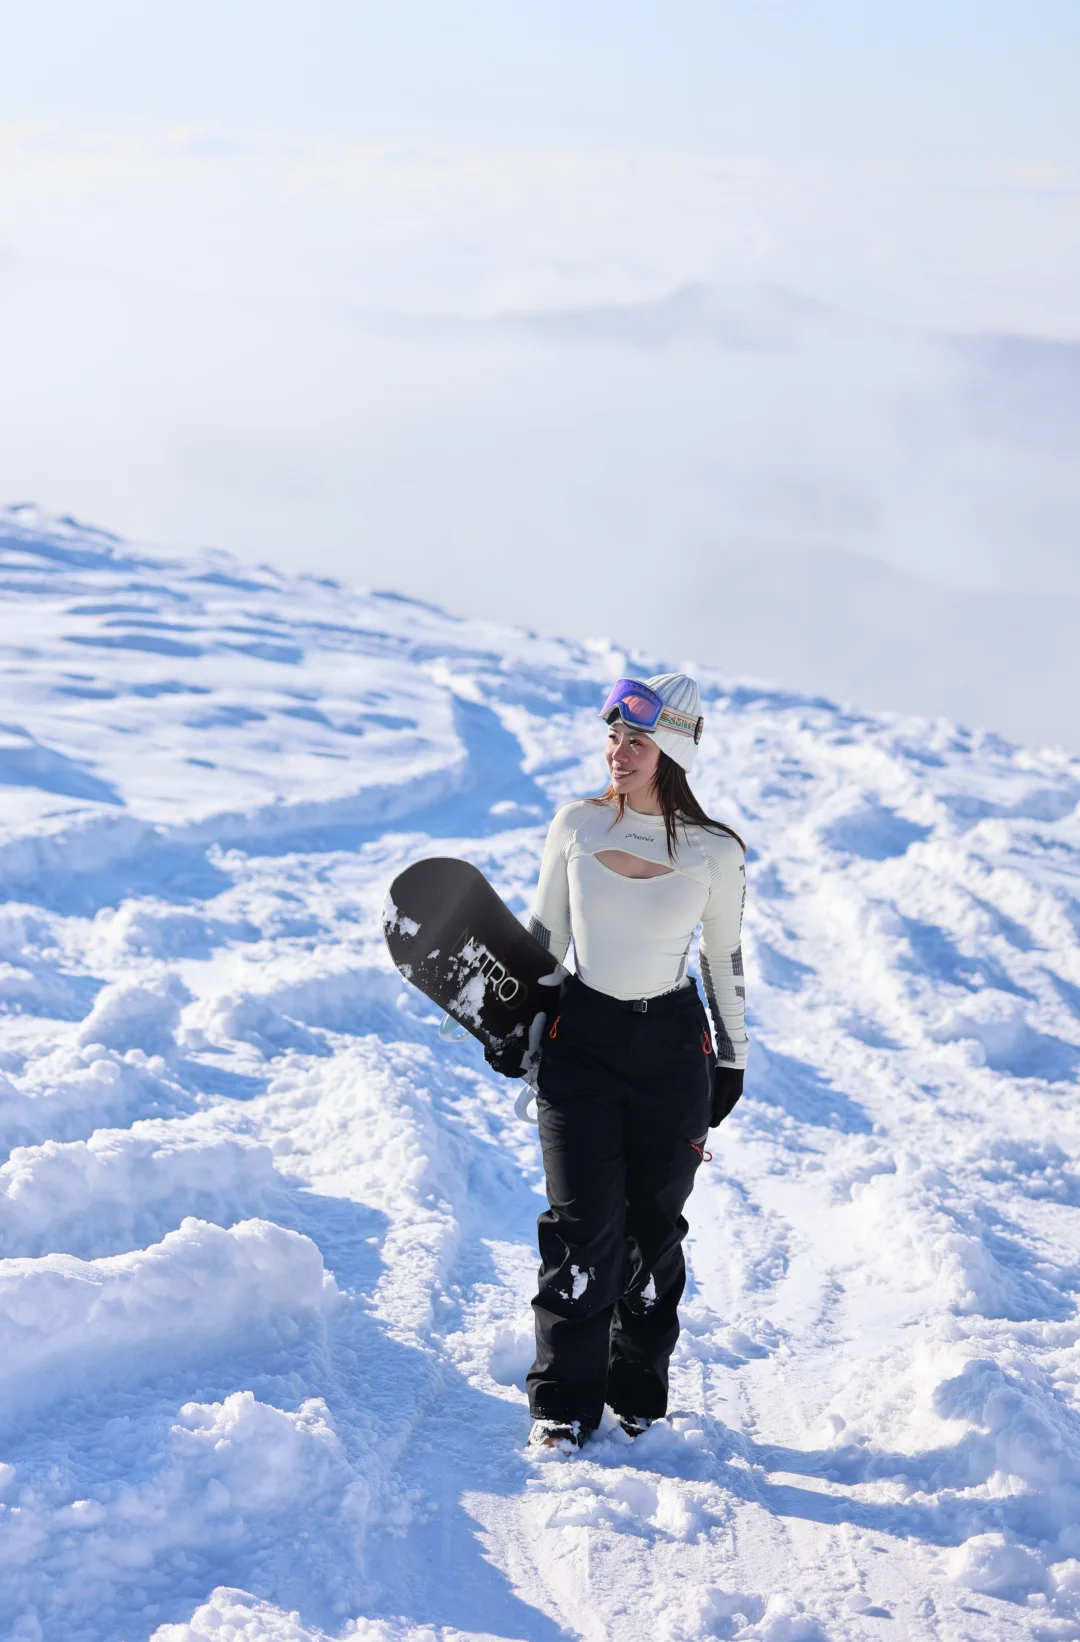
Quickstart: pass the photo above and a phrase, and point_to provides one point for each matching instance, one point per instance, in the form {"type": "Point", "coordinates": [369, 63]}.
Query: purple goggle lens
{"type": "Point", "coordinates": [635, 703]}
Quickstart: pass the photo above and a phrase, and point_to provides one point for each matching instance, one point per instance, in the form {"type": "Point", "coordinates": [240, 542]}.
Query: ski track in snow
{"type": "Point", "coordinates": [268, 1244]}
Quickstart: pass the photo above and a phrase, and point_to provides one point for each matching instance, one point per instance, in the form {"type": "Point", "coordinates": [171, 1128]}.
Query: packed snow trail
{"type": "Point", "coordinates": [268, 1244]}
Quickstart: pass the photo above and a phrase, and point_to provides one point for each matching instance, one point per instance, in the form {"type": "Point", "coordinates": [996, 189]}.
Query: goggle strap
{"type": "Point", "coordinates": [681, 723]}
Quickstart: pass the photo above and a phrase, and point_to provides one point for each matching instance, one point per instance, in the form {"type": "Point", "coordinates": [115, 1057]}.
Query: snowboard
{"type": "Point", "coordinates": [451, 936]}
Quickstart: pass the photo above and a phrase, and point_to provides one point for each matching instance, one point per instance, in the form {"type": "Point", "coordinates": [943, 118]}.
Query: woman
{"type": "Point", "coordinates": [629, 1082]}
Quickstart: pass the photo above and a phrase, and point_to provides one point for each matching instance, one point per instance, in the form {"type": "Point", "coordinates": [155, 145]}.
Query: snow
{"type": "Point", "coordinates": [267, 1241]}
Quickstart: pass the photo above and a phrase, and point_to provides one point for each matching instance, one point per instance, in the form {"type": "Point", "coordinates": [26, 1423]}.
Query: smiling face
{"type": "Point", "coordinates": [632, 757]}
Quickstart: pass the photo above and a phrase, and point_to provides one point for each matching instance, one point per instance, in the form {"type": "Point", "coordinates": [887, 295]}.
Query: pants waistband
{"type": "Point", "coordinates": [667, 1003]}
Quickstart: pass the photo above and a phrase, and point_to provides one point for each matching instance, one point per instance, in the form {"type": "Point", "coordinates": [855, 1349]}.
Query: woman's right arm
{"type": "Point", "coordinates": [550, 922]}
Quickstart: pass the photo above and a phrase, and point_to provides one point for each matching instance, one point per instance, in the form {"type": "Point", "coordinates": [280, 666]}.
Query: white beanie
{"type": "Point", "coordinates": [679, 729]}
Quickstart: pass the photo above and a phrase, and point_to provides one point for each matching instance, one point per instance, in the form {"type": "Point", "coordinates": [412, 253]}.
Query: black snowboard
{"type": "Point", "coordinates": [450, 935]}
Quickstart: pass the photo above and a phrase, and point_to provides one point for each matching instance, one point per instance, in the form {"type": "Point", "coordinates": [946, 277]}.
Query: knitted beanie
{"type": "Point", "coordinates": [679, 729]}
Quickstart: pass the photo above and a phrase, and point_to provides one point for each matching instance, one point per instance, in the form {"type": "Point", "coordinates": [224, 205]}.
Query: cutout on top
{"type": "Point", "coordinates": [630, 866]}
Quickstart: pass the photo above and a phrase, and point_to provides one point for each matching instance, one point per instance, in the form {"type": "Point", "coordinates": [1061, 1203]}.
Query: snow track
{"type": "Point", "coordinates": [268, 1245]}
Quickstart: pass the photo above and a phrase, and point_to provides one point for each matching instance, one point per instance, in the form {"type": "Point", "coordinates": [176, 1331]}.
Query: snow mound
{"type": "Point", "coordinates": [234, 1616]}
{"type": "Point", "coordinates": [267, 1243]}
{"type": "Point", "coordinates": [124, 1188]}
{"type": "Point", "coordinates": [71, 1090]}
{"type": "Point", "coordinates": [234, 1477]}
{"type": "Point", "coordinates": [134, 1015]}
{"type": "Point", "coordinates": [67, 1323]}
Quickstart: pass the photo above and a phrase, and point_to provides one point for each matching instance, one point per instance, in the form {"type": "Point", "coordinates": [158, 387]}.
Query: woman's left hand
{"type": "Point", "coordinates": [726, 1090]}
{"type": "Point", "coordinates": [506, 1059]}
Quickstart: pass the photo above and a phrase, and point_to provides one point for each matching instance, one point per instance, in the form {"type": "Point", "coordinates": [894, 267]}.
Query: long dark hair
{"type": "Point", "coordinates": [677, 803]}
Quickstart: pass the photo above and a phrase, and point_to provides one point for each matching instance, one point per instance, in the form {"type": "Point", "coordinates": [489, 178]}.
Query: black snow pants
{"type": "Point", "coordinates": [624, 1114]}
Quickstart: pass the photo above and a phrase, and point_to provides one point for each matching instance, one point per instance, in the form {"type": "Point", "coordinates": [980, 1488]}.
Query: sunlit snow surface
{"type": "Point", "coordinates": [269, 1243]}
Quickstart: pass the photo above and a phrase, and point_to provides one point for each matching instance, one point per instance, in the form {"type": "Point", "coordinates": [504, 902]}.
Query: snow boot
{"type": "Point", "coordinates": [633, 1424]}
{"type": "Point", "coordinates": [560, 1434]}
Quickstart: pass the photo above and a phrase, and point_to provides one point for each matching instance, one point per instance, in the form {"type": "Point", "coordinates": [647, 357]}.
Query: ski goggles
{"type": "Point", "coordinates": [639, 705]}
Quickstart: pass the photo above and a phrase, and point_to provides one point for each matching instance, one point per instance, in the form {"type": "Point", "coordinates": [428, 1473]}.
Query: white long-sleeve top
{"type": "Point", "coordinates": [632, 935]}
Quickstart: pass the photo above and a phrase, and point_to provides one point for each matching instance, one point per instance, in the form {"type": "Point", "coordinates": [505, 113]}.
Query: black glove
{"type": "Point", "coordinates": [726, 1089]}
{"type": "Point", "coordinates": [505, 1057]}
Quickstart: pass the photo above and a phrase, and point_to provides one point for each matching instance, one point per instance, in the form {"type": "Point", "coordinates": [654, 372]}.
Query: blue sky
{"type": "Point", "coordinates": [956, 79]}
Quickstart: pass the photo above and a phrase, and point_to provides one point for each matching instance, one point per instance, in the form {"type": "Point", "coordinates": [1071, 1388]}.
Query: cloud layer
{"type": "Point", "coordinates": [806, 421]}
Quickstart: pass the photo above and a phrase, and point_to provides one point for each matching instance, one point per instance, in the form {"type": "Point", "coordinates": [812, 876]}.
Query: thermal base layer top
{"type": "Point", "coordinates": [632, 935]}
